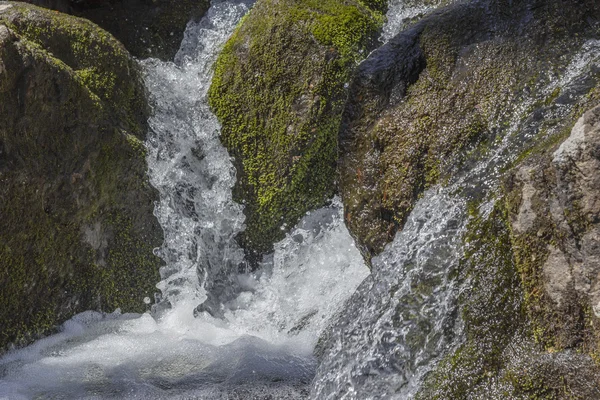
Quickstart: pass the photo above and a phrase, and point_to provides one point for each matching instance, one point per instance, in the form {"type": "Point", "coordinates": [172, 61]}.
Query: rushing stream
{"type": "Point", "coordinates": [262, 346]}
{"type": "Point", "coordinates": [218, 332]}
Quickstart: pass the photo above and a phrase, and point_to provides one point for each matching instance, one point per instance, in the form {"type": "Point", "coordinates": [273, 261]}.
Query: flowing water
{"type": "Point", "coordinates": [271, 320]}
{"type": "Point", "coordinates": [220, 332]}
{"type": "Point", "coordinates": [401, 13]}
{"type": "Point", "coordinates": [404, 317]}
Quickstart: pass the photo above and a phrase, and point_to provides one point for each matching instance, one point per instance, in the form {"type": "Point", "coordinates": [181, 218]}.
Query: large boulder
{"type": "Point", "coordinates": [449, 85]}
{"type": "Point", "coordinates": [475, 100]}
{"type": "Point", "coordinates": [279, 92]}
{"type": "Point", "coordinates": [77, 228]}
{"type": "Point", "coordinates": [147, 28]}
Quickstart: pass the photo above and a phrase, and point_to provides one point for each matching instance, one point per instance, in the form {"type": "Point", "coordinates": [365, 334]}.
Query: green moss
{"type": "Point", "coordinates": [490, 306]}
{"type": "Point", "coordinates": [278, 91]}
{"type": "Point", "coordinates": [98, 58]}
{"type": "Point", "coordinates": [77, 227]}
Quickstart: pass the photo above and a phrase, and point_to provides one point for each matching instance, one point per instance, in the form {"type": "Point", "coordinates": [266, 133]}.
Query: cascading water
{"type": "Point", "coordinates": [272, 320]}
{"type": "Point", "coordinates": [188, 165]}
{"type": "Point", "coordinates": [387, 336]}
{"type": "Point", "coordinates": [402, 12]}
{"type": "Point", "coordinates": [403, 318]}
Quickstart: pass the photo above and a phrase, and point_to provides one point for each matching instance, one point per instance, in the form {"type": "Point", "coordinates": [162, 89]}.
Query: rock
{"type": "Point", "coordinates": [77, 227]}
{"type": "Point", "coordinates": [505, 353]}
{"type": "Point", "coordinates": [147, 28]}
{"type": "Point", "coordinates": [502, 82]}
{"type": "Point", "coordinates": [443, 91]}
{"type": "Point", "coordinates": [558, 250]}
{"type": "Point", "coordinates": [278, 92]}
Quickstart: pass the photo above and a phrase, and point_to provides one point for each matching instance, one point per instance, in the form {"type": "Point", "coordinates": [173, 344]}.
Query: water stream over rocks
{"type": "Point", "coordinates": [271, 320]}
{"type": "Point", "coordinates": [218, 331]}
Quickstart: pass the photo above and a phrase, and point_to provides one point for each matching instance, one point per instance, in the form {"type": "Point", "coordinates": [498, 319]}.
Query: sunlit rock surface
{"type": "Point", "coordinates": [453, 84]}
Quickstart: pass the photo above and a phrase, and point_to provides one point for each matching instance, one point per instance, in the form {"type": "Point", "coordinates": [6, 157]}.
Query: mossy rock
{"type": "Point", "coordinates": [147, 28]}
{"type": "Point", "coordinates": [77, 228]}
{"type": "Point", "coordinates": [451, 86]}
{"type": "Point", "coordinates": [278, 91]}
{"type": "Point", "coordinates": [552, 195]}
{"type": "Point", "coordinates": [500, 357]}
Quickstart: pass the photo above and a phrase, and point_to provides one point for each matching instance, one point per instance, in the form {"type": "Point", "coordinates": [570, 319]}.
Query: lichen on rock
{"type": "Point", "coordinates": [77, 227]}
{"type": "Point", "coordinates": [278, 92]}
{"type": "Point", "coordinates": [451, 86]}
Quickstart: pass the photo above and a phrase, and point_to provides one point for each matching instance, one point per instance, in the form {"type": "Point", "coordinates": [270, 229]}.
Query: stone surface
{"type": "Point", "coordinates": [147, 28]}
{"type": "Point", "coordinates": [279, 92]}
{"type": "Point", "coordinates": [442, 92]}
{"type": "Point", "coordinates": [557, 251]}
{"type": "Point", "coordinates": [77, 227]}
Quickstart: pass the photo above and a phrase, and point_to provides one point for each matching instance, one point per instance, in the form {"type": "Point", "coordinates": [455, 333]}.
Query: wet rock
{"type": "Point", "coordinates": [473, 95]}
{"type": "Point", "coordinates": [279, 92]}
{"type": "Point", "coordinates": [77, 227]}
{"type": "Point", "coordinates": [147, 28]}
{"type": "Point", "coordinates": [558, 251]}
{"type": "Point", "coordinates": [446, 89]}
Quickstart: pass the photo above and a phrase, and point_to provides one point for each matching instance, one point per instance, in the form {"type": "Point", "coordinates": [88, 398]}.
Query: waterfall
{"type": "Point", "coordinates": [270, 320]}
{"type": "Point", "coordinates": [188, 164]}
{"type": "Point", "coordinates": [401, 13]}
{"type": "Point", "coordinates": [218, 331]}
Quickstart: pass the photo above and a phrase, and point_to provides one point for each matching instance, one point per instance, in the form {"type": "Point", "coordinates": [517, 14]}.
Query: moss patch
{"type": "Point", "coordinates": [102, 63]}
{"type": "Point", "coordinates": [278, 91]}
{"type": "Point", "coordinates": [77, 227]}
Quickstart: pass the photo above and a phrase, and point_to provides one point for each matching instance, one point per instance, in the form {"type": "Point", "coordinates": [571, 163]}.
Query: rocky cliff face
{"type": "Point", "coordinates": [531, 330]}
{"type": "Point", "coordinates": [279, 93]}
{"type": "Point", "coordinates": [76, 227]}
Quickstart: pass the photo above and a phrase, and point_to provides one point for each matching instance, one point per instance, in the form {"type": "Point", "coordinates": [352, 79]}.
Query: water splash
{"type": "Point", "coordinates": [188, 164]}
{"type": "Point", "coordinates": [402, 12]}
{"type": "Point", "coordinates": [404, 317]}
{"type": "Point", "coordinates": [262, 348]}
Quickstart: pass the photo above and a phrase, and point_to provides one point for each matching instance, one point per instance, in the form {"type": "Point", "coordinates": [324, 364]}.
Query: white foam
{"type": "Point", "coordinates": [264, 345]}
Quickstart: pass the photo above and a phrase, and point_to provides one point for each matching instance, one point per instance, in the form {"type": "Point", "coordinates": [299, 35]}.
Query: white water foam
{"type": "Point", "coordinates": [401, 12]}
{"type": "Point", "coordinates": [263, 347]}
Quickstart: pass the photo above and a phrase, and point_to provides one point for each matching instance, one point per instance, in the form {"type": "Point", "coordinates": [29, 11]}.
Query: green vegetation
{"type": "Point", "coordinates": [279, 93]}
{"type": "Point", "coordinates": [77, 227]}
{"type": "Point", "coordinates": [102, 63]}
